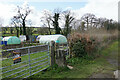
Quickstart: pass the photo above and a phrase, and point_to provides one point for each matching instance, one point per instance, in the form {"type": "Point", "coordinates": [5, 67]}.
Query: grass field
{"type": "Point", "coordinates": [25, 63]}
{"type": "Point", "coordinates": [84, 68]}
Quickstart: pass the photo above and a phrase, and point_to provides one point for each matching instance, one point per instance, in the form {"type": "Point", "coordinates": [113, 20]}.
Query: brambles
{"type": "Point", "coordinates": [90, 42]}
{"type": "Point", "coordinates": [82, 45]}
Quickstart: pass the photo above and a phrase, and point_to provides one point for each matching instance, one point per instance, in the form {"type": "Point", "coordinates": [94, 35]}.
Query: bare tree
{"type": "Point", "coordinates": [23, 12]}
{"type": "Point", "coordinates": [88, 18]}
{"type": "Point", "coordinates": [101, 21]}
{"type": "Point", "coordinates": [16, 22]}
{"type": "Point", "coordinates": [46, 19]}
{"type": "Point", "coordinates": [82, 26]}
{"type": "Point", "coordinates": [76, 24]}
{"type": "Point", "coordinates": [92, 19]}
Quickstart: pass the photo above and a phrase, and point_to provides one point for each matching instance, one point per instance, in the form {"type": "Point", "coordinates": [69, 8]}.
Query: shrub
{"type": "Point", "coordinates": [81, 45]}
{"type": "Point", "coordinates": [93, 40]}
{"type": "Point", "coordinates": [79, 48]}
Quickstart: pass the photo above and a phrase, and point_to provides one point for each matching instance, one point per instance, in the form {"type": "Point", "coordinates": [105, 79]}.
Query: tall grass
{"type": "Point", "coordinates": [102, 35]}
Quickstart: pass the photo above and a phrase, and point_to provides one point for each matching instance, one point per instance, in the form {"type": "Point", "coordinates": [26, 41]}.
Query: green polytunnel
{"type": "Point", "coordinates": [57, 38]}
{"type": "Point", "coordinates": [12, 40]}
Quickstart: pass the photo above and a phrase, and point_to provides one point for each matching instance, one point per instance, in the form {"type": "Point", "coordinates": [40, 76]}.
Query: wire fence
{"type": "Point", "coordinates": [32, 60]}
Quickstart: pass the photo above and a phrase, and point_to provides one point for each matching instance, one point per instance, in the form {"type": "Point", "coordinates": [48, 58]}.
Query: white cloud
{"type": "Point", "coordinates": [6, 12]}
{"type": "Point", "coordinates": [35, 18]}
{"type": "Point", "coordinates": [9, 10]}
{"type": "Point", "coordinates": [106, 8]}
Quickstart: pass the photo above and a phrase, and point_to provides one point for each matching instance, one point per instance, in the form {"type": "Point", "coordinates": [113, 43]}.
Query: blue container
{"type": "Point", "coordinates": [36, 37]}
{"type": "Point", "coordinates": [5, 42]}
{"type": "Point", "coordinates": [2, 43]}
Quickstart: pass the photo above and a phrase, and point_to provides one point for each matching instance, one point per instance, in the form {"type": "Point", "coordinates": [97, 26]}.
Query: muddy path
{"type": "Point", "coordinates": [111, 57]}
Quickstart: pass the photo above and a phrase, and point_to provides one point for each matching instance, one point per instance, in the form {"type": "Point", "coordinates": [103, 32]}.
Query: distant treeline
{"type": "Point", "coordinates": [11, 31]}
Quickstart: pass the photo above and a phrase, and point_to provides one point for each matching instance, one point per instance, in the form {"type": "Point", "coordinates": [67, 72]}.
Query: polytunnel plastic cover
{"type": "Point", "coordinates": [12, 40]}
{"type": "Point", "coordinates": [57, 38]}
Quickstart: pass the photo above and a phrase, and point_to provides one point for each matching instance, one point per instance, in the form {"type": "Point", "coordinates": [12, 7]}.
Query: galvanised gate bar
{"type": "Point", "coordinates": [33, 60]}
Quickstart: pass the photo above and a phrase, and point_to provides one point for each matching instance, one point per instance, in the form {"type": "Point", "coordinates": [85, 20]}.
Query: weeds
{"type": "Point", "coordinates": [56, 69]}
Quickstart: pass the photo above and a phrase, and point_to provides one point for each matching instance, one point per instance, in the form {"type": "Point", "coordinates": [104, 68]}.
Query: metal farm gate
{"type": "Point", "coordinates": [33, 60]}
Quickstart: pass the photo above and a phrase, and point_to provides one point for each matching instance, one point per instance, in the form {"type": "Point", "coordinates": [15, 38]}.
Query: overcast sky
{"type": "Point", "coordinates": [101, 8]}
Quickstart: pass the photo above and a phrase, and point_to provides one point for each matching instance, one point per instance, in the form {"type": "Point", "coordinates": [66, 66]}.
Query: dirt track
{"type": "Point", "coordinates": [112, 59]}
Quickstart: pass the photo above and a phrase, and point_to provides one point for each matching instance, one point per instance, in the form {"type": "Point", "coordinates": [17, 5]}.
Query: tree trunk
{"type": "Point", "coordinates": [17, 32]}
{"type": "Point", "coordinates": [11, 31]}
{"type": "Point", "coordinates": [49, 28]}
{"type": "Point", "coordinates": [20, 30]}
{"type": "Point", "coordinates": [24, 28]}
{"type": "Point", "coordinates": [67, 29]}
{"type": "Point", "coordinates": [56, 24]}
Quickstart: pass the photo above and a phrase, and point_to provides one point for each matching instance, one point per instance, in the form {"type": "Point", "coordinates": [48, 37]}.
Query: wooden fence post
{"type": "Point", "coordinates": [56, 47]}
{"type": "Point", "coordinates": [52, 53]}
{"type": "Point", "coordinates": [60, 58]}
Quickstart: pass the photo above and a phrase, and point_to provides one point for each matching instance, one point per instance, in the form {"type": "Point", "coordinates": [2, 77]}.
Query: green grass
{"type": "Point", "coordinates": [83, 68]}
{"type": "Point", "coordinates": [8, 34]}
{"type": "Point", "coordinates": [9, 62]}
{"type": "Point", "coordinates": [35, 34]}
